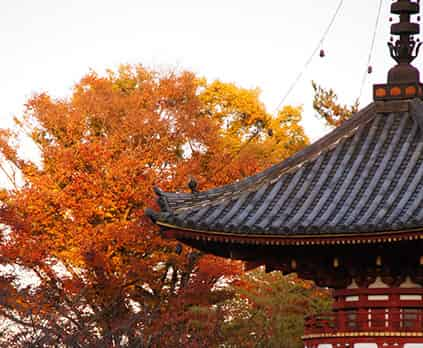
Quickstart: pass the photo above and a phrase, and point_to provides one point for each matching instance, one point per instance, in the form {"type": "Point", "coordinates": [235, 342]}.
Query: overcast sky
{"type": "Point", "coordinates": [48, 45]}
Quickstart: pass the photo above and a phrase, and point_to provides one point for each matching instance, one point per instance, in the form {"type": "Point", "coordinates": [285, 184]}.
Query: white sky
{"type": "Point", "coordinates": [48, 45]}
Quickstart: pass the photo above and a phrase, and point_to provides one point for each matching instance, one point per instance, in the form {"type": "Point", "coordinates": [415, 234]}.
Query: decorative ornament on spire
{"type": "Point", "coordinates": [404, 78]}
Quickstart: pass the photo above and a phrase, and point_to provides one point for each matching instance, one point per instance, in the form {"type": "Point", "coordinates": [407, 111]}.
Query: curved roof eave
{"type": "Point", "coordinates": [362, 180]}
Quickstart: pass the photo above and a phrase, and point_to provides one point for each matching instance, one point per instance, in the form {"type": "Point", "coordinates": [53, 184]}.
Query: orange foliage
{"type": "Point", "coordinates": [103, 275]}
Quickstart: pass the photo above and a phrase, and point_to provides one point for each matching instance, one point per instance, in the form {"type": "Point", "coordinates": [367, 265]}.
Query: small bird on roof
{"type": "Point", "coordinates": [192, 184]}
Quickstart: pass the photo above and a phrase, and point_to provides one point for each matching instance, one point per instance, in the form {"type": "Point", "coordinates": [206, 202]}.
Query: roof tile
{"type": "Point", "coordinates": [364, 177]}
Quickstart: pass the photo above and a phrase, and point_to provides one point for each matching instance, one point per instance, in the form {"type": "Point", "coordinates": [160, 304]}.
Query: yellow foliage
{"type": "Point", "coordinates": [239, 111]}
{"type": "Point", "coordinates": [325, 102]}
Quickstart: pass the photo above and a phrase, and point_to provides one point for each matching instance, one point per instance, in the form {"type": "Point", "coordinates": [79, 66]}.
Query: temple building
{"type": "Point", "coordinates": [346, 212]}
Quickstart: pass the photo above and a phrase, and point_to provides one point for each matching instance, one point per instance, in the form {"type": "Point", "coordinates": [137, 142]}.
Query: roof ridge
{"type": "Point", "coordinates": [416, 112]}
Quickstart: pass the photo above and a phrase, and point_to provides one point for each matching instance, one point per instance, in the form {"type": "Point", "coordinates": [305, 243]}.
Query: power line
{"type": "Point", "coordinates": [322, 39]}
{"type": "Point", "coordinates": [309, 60]}
{"type": "Point", "coordinates": [372, 46]}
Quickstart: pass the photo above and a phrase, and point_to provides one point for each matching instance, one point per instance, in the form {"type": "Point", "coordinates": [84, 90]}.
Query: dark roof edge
{"type": "Point", "coordinates": [176, 232]}
{"type": "Point", "coordinates": [416, 112]}
{"type": "Point", "coordinates": [161, 200]}
{"type": "Point", "coordinates": [362, 116]}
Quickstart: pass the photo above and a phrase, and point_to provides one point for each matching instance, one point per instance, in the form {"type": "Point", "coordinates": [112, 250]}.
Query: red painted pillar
{"type": "Point", "coordinates": [341, 321]}
{"type": "Point", "coordinates": [362, 319]}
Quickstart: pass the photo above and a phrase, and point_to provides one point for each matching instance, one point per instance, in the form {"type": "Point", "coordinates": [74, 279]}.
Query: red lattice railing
{"type": "Point", "coordinates": [365, 320]}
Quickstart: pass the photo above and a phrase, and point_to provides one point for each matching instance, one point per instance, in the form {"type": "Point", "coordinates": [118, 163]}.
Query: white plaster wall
{"type": "Point", "coordinates": [365, 345]}
{"type": "Point", "coordinates": [413, 345]}
{"type": "Point", "coordinates": [324, 346]}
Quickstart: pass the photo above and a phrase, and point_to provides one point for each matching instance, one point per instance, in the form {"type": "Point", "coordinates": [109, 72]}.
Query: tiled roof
{"type": "Point", "coordinates": [364, 177]}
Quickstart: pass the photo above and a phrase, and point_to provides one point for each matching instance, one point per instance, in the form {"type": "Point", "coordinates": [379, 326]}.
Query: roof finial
{"type": "Point", "coordinates": [405, 49]}
{"type": "Point", "coordinates": [193, 184]}
{"type": "Point", "coordinates": [403, 79]}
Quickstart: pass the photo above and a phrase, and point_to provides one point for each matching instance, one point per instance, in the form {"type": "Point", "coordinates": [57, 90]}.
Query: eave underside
{"type": "Point", "coordinates": [190, 236]}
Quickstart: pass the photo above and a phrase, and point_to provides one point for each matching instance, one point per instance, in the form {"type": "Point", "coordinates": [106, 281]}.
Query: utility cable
{"type": "Point", "coordinates": [372, 46]}
{"type": "Point", "coordinates": [291, 88]}
{"type": "Point", "coordinates": [309, 60]}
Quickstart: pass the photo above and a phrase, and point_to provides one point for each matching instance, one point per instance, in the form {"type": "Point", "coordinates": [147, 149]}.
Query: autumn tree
{"type": "Point", "coordinates": [325, 102]}
{"type": "Point", "coordinates": [250, 138]}
{"type": "Point", "coordinates": [74, 223]}
{"type": "Point", "coordinates": [269, 309]}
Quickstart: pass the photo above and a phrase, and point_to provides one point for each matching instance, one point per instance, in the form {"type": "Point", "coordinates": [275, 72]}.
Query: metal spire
{"type": "Point", "coordinates": [405, 49]}
{"type": "Point", "coordinates": [403, 78]}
